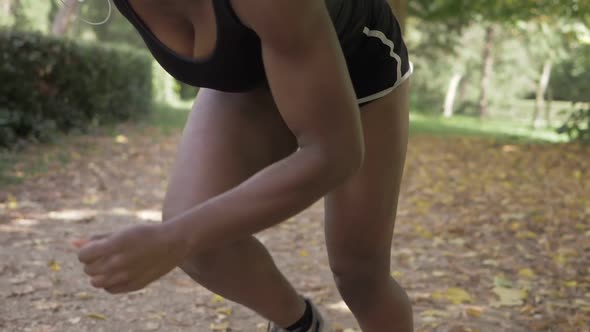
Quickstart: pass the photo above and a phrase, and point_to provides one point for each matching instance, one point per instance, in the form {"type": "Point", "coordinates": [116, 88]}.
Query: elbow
{"type": "Point", "coordinates": [343, 162]}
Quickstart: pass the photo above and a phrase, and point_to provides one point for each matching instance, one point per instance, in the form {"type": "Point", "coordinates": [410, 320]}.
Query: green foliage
{"type": "Point", "coordinates": [51, 85]}
{"type": "Point", "coordinates": [185, 91]}
{"type": "Point", "coordinates": [462, 12]}
{"type": "Point", "coordinates": [577, 126]}
{"type": "Point", "coordinates": [116, 30]}
{"type": "Point", "coordinates": [515, 70]}
{"type": "Point", "coordinates": [571, 76]}
{"type": "Point", "coordinates": [30, 15]}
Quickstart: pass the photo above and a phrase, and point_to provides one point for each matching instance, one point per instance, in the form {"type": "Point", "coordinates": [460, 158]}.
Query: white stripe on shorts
{"type": "Point", "coordinates": [400, 78]}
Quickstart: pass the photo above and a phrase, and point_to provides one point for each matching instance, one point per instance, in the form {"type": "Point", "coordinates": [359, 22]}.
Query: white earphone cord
{"type": "Point", "coordinates": [93, 23]}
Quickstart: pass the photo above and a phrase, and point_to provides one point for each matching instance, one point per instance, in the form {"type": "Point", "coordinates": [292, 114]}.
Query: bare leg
{"type": "Point", "coordinates": [360, 218]}
{"type": "Point", "coordinates": [228, 138]}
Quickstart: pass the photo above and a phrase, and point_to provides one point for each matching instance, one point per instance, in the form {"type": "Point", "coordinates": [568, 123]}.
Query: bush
{"type": "Point", "coordinates": [571, 76]}
{"type": "Point", "coordinates": [577, 126]}
{"type": "Point", "coordinates": [185, 91]}
{"type": "Point", "coordinates": [49, 85]}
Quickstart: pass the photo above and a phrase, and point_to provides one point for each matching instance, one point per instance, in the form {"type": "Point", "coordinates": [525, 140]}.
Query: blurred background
{"type": "Point", "coordinates": [493, 228]}
{"type": "Point", "coordinates": [515, 67]}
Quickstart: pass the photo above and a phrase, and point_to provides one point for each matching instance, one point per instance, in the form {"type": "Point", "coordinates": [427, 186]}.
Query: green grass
{"type": "Point", "coordinates": [173, 117]}
{"type": "Point", "coordinates": [491, 128]}
{"type": "Point", "coordinates": [7, 161]}
{"type": "Point", "coordinates": [40, 165]}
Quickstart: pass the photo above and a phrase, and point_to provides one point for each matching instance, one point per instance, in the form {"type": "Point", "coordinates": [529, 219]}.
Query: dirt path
{"type": "Point", "coordinates": [490, 237]}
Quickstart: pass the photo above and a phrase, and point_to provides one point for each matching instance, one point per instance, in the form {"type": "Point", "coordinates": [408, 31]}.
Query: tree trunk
{"type": "Point", "coordinates": [6, 7]}
{"type": "Point", "coordinates": [64, 17]}
{"type": "Point", "coordinates": [400, 9]}
{"type": "Point", "coordinates": [487, 70]}
{"type": "Point", "coordinates": [548, 107]}
{"type": "Point", "coordinates": [541, 90]}
{"type": "Point", "coordinates": [452, 94]}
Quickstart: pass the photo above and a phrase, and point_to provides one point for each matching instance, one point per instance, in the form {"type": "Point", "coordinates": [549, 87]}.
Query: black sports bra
{"type": "Point", "coordinates": [236, 62]}
{"type": "Point", "coordinates": [234, 65]}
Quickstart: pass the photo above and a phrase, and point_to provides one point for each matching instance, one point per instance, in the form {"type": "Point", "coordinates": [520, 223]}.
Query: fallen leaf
{"type": "Point", "coordinates": [219, 326]}
{"type": "Point", "coordinates": [151, 326]}
{"type": "Point", "coordinates": [83, 296]}
{"type": "Point", "coordinates": [526, 273]}
{"type": "Point", "coordinates": [559, 259]}
{"type": "Point", "coordinates": [74, 320]}
{"type": "Point", "coordinates": [12, 202]}
{"type": "Point", "coordinates": [509, 296]}
{"type": "Point", "coordinates": [21, 278]}
{"type": "Point", "coordinates": [423, 232]}
{"type": "Point", "coordinates": [339, 306]}
{"type": "Point", "coordinates": [512, 216]}
{"type": "Point", "coordinates": [474, 311]}
{"type": "Point", "coordinates": [458, 241]}
{"type": "Point", "coordinates": [121, 139]}
{"type": "Point", "coordinates": [217, 299]}
{"type": "Point", "coordinates": [22, 290]}
{"type": "Point", "coordinates": [303, 253]}
{"type": "Point", "coordinates": [224, 310]}
{"type": "Point", "coordinates": [501, 282]}
{"type": "Point", "coordinates": [96, 316]}
{"type": "Point", "coordinates": [439, 273]}
{"type": "Point", "coordinates": [455, 295]}
{"type": "Point", "coordinates": [46, 305]}
{"type": "Point", "coordinates": [490, 262]}
{"type": "Point", "coordinates": [54, 265]}
{"type": "Point", "coordinates": [434, 313]}
{"type": "Point", "coordinates": [527, 235]}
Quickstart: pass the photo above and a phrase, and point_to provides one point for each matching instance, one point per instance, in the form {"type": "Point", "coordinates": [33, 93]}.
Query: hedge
{"type": "Point", "coordinates": [50, 85]}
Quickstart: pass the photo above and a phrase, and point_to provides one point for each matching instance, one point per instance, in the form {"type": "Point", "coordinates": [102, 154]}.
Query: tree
{"type": "Point", "coordinates": [5, 7]}
{"type": "Point", "coordinates": [487, 69]}
{"type": "Point", "coordinates": [400, 8]}
{"type": "Point", "coordinates": [64, 17]}
{"type": "Point", "coordinates": [452, 94]}
{"type": "Point", "coordinates": [457, 14]}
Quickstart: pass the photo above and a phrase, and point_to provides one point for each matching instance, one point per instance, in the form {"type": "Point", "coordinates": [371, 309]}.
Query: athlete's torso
{"type": "Point", "coordinates": [234, 61]}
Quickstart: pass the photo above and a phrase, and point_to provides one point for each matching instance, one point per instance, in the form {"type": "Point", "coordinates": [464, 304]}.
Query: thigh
{"type": "Point", "coordinates": [228, 137]}
{"type": "Point", "coordinates": [360, 215]}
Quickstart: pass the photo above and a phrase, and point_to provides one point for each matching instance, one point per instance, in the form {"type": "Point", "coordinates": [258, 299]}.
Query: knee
{"type": "Point", "coordinates": [354, 271]}
{"type": "Point", "coordinates": [199, 265]}
{"type": "Point", "coordinates": [211, 262]}
{"type": "Point", "coordinates": [169, 211]}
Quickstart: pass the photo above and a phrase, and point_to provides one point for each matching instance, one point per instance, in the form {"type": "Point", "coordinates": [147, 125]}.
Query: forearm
{"type": "Point", "coordinates": [267, 198]}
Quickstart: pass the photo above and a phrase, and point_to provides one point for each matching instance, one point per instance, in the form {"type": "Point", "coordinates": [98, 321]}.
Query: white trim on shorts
{"type": "Point", "coordinates": [400, 79]}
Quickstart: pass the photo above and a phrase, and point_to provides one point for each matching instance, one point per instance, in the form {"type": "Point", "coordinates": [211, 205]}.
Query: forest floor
{"type": "Point", "coordinates": [490, 236]}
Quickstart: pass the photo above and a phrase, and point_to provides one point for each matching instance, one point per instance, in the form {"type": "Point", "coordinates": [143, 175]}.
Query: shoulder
{"type": "Point", "coordinates": [273, 20]}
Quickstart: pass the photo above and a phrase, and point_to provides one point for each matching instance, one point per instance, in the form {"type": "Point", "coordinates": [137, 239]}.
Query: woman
{"type": "Point", "coordinates": [299, 100]}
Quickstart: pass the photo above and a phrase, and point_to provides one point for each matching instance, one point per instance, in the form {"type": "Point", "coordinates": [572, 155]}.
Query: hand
{"type": "Point", "coordinates": [131, 259]}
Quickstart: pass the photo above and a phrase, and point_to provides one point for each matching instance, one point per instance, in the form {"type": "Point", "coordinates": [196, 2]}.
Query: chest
{"type": "Point", "coordinates": [188, 28]}
{"type": "Point", "coordinates": [199, 42]}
